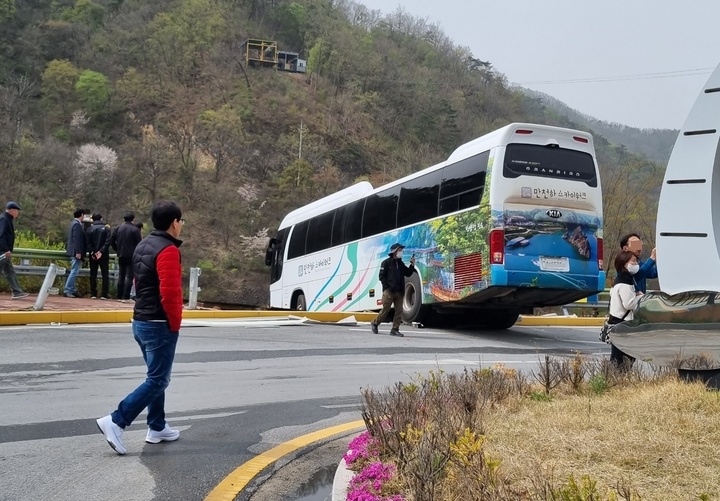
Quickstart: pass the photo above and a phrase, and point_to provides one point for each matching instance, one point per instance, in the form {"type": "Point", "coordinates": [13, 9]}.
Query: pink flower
{"type": "Point", "coordinates": [364, 446]}
{"type": "Point", "coordinates": [367, 485]}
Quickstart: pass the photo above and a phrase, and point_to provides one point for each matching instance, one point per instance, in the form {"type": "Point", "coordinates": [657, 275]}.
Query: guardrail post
{"type": "Point", "coordinates": [47, 283]}
{"type": "Point", "coordinates": [194, 288]}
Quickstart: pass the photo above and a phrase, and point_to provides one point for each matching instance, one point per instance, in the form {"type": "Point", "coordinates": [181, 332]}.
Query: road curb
{"type": "Point", "coordinates": [234, 483]}
{"type": "Point", "coordinates": [560, 321]}
{"type": "Point", "coordinates": [124, 316]}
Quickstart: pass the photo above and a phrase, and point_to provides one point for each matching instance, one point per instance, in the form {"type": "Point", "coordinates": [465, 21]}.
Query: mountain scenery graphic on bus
{"type": "Point", "coordinates": [560, 244]}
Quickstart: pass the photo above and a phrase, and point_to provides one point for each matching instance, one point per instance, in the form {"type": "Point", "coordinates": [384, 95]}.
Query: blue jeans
{"type": "Point", "coordinates": [74, 270]}
{"type": "Point", "coordinates": [157, 344]}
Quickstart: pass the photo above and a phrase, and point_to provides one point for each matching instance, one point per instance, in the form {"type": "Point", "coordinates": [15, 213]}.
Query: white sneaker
{"type": "Point", "coordinates": [165, 435]}
{"type": "Point", "coordinates": [113, 433]}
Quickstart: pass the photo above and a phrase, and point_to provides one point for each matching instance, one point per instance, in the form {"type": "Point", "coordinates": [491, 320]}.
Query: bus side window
{"type": "Point", "coordinates": [419, 199]}
{"type": "Point", "coordinates": [380, 213]}
{"type": "Point", "coordinates": [353, 221]}
{"type": "Point", "coordinates": [463, 183]}
{"type": "Point", "coordinates": [297, 240]}
{"type": "Point", "coordinates": [319, 235]}
{"type": "Point", "coordinates": [339, 226]}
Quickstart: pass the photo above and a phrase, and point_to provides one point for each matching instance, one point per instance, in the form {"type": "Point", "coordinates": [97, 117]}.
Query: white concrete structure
{"type": "Point", "coordinates": [688, 222]}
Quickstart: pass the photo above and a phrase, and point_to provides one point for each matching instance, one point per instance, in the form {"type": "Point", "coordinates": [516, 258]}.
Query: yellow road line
{"type": "Point", "coordinates": [235, 482]}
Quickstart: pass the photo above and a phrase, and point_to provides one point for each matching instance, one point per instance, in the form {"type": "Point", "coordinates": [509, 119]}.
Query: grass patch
{"type": "Point", "coordinates": [581, 430]}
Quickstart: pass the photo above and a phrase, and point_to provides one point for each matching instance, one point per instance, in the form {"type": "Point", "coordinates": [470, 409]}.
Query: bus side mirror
{"type": "Point", "coordinates": [269, 251]}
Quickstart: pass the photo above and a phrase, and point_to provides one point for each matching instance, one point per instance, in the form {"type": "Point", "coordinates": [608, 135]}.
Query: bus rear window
{"type": "Point", "coordinates": [545, 161]}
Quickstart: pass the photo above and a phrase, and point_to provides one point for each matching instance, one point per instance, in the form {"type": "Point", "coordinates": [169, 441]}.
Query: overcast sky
{"type": "Point", "coordinates": [648, 44]}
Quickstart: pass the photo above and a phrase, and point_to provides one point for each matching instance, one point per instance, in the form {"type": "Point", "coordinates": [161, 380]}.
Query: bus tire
{"type": "Point", "coordinates": [502, 319]}
{"type": "Point", "coordinates": [300, 304]}
{"type": "Point", "coordinates": [413, 310]}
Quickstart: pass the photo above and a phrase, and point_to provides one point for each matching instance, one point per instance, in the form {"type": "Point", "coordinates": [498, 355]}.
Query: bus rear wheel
{"type": "Point", "coordinates": [413, 310]}
{"type": "Point", "coordinates": [501, 319]}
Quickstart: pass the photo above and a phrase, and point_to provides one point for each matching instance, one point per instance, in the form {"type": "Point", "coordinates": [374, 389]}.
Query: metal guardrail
{"type": "Point", "coordinates": [62, 262]}
{"type": "Point", "coordinates": [60, 258]}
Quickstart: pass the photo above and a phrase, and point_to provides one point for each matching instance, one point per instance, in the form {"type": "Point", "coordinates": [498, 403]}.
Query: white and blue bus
{"type": "Point", "coordinates": [510, 221]}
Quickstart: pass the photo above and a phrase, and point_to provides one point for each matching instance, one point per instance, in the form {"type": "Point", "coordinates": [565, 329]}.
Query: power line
{"type": "Point", "coordinates": [620, 78]}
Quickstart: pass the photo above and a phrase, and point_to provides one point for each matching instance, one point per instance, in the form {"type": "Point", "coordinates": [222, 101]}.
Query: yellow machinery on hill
{"type": "Point", "coordinates": [265, 53]}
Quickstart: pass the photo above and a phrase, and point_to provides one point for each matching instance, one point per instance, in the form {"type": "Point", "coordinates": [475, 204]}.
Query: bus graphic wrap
{"type": "Point", "coordinates": [509, 222]}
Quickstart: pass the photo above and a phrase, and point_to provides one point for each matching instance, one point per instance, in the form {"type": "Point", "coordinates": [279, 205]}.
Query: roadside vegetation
{"type": "Point", "coordinates": [574, 430]}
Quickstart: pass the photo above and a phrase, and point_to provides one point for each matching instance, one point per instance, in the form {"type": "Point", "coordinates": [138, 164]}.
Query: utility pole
{"type": "Point", "coordinates": [301, 133]}
{"type": "Point", "coordinates": [299, 153]}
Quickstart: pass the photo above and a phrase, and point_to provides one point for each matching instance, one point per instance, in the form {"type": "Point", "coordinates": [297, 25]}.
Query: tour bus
{"type": "Point", "coordinates": [510, 221]}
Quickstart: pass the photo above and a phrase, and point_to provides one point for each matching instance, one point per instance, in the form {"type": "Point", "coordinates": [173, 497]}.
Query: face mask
{"type": "Point", "coordinates": [399, 254]}
{"type": "Point", "coordinates": [633, 268]}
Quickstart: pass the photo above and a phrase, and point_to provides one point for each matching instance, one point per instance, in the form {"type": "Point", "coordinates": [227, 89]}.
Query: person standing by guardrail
{"type": "Point", "coordinates": [7, 245]}
{"type": "Point", "coordinates": [98, 242]}
{"type": "Point", "coordinates": [124, 240]}
{"type": "Point", "coordinates": [76, 249]}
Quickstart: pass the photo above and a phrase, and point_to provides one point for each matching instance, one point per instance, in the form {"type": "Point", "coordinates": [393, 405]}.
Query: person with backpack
{"type": "Point", "coordinates": [624, 300]}
{"type": "Point", "coordinates": [124, 240]}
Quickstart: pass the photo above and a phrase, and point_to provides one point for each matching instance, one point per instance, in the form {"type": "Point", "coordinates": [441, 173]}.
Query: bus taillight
{"type": "Point", "coordinates": [600, 253]}
{"type": "Point", "coordinates": [497, 246]}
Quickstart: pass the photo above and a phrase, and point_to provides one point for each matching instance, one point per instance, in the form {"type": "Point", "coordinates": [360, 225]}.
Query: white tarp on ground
{"type": "Point", "coordinates": [287, 321]}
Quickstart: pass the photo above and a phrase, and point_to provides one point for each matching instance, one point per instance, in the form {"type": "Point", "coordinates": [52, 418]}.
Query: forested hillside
{"type": "Point", "coordinates": [111, 104]}
{"type": "Point", "coordinates": [655, 144]}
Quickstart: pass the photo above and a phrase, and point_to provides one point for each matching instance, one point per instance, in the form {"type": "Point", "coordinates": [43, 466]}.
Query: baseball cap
{"type": "Point", "coordinates": [395, 247]}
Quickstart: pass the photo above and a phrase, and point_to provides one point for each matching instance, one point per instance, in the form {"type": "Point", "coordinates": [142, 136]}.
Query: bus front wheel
{"type": "Point", "coordinates": [413, 310]}
{"type": "Point", "coordinates": [300, 304]}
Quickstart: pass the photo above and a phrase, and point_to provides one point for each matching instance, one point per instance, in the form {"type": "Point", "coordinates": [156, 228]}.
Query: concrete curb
{"type": "Point", "coordinates": [124, 316]}
{"type": "Point", "coordinates": [234, 483]}
{"type": "Point", "coordinates": [561, 321]}
{"type": "Point", "coordinates": [343, 475]}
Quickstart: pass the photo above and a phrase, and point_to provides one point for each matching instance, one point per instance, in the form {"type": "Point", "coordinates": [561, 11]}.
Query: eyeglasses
{"type": "Point", "coordinates": [182, 220]}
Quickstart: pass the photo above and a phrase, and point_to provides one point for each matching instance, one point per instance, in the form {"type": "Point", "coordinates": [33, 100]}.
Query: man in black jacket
{"type": "Point", "coordinates": [7, 245]}
{"type": "Point", "coordinates": [98, 244]}
{"type": "Point", "coordinates": [124, 240]}
{"type": "Point", "coordinates": [392, 276]}
{"type": "Point", "coordinates": [76, 248]}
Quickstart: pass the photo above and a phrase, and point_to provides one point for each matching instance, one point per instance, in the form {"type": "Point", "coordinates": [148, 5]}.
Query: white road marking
{"type": "Point", "coordinates": [447, 361]}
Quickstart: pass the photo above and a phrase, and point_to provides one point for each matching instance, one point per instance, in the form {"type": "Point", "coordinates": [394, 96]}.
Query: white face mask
{"type": "Point", "coordinates": [633, 268]}
{"type": "Point", "coordinates": [399, 254]}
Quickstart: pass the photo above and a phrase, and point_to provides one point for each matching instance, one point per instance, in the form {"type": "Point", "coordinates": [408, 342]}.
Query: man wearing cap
{"type": "Point", "coordinates": [7, 245]}
{"type": "Point", "coordinates": [76, 248]}
{"type": "Point", "coordinates": [392, 276]}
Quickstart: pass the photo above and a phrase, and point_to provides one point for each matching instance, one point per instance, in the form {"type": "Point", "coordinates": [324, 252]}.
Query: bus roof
{"type": "Point", "coordinates": [540, 134]}
{"type": "Point", "coordinates": [327, 203]}
{"type": "Point", "coordinates": [506, 134]}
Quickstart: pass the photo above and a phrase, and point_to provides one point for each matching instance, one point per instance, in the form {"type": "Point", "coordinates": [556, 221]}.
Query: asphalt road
{"type": "Point", "coordinates": [236, 391]}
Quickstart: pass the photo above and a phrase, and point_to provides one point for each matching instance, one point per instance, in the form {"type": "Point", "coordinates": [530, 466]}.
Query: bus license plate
{"type": "Point", "coordinates": [554, 263]}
